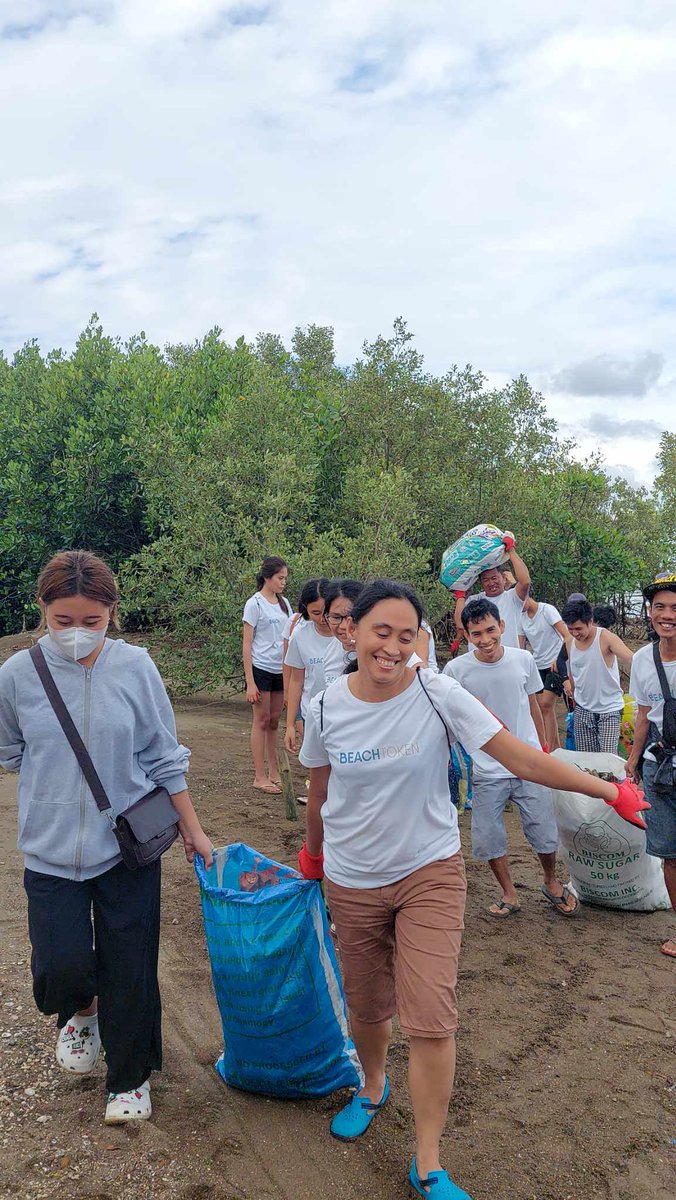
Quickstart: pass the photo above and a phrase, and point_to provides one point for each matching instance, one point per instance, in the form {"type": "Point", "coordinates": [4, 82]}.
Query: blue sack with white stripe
{"type": "Point", "coordinates": [276, 978]}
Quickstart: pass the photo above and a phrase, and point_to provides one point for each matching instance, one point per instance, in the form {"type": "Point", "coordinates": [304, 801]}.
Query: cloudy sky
{"type": "Point", "coordinates": [500, 174]}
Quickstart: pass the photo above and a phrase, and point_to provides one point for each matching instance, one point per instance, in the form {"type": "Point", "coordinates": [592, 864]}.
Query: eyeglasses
{"type": "Point", "coordinates": [337, 618]}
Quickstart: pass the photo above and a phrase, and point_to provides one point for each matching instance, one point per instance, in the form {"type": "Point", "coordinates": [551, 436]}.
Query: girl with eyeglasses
{"type": "Point", "coordinates": [339, 598]}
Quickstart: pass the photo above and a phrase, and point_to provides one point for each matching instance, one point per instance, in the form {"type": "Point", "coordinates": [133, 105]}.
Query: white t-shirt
{"type": "Point", "coordinates": [510, 607]}
{"type": "Point", "coordinates": [268, 621]}
{"type": "Point", "coordinates": [336, 658]}
{"type": "Point", "coordinates": [545, 640]}
{"type": "Point", "coordinates": [388, 810]}
{"type": "Point", "coordinates": [306, 650]}
{"type": "Point", "coordinates": [431, 649]}
{"type": "Point", "coordinates": [504, 687]}
{"type": "Point", "coordinates": [644, 686]}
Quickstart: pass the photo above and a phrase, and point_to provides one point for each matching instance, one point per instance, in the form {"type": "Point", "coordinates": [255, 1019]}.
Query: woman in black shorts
{"type": "Point", "coordinates": [264, 618]}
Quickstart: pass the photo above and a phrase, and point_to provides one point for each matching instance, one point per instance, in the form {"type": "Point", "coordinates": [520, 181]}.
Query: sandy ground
{"type": "Point", "coordinates": [566, 1077]}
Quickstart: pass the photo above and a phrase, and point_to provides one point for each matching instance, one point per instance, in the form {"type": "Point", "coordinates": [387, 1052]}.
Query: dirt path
{"type": "Point", "coordinates": [565, 1083]}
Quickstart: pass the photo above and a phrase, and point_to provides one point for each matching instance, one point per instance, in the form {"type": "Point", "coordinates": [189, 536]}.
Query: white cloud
{"type": "Point", "coordinates": [496, 173]}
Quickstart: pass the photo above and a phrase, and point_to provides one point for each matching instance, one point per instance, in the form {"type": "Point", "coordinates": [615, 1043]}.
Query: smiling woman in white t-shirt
{"type": "Point", "coordinates": [265, 615]}
{"type": "Point", "coordinates": [377, 746]}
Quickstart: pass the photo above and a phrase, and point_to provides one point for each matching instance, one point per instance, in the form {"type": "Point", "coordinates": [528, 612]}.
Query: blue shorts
{"type": "Point", "coordinates": [660, 817]}
{"type": "Point", "coordinates": [534, 802]}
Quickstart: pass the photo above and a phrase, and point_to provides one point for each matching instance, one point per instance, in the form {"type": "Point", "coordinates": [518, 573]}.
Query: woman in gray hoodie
{"type": "Point", "coordinates": [93, 923]}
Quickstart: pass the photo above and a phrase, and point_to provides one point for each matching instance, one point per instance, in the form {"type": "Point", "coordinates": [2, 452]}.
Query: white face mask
{"type": "Point", "coordinates": [76, 642]}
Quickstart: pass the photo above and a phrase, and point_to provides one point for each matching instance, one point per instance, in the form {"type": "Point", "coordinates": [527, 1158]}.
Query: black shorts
{"type": "Point", "coordinates": [268, 681]}
{"type": "Point", "coordinates": [551, 681]}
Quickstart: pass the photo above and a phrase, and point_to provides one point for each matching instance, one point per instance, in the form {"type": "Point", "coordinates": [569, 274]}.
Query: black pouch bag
{"type": "Point", "coordinates": [146, 829]}
{"type": "Point", "coordinates": [664, 747]}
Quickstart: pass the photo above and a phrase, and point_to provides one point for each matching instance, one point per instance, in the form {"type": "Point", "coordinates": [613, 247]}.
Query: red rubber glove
{"type": "Point", "coordinates": [311, 866]}
{"type": "Point", "coordinates": [460, 595]}
{"type": "Point", "coordinates": [455, 646]}
{"type": "Point", "coordinates": [629, 803]}
{"type": "Point", "coordinates": [508, 542]}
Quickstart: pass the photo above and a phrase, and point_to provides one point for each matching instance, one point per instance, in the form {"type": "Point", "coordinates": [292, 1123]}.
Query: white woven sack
{"type": "Point", "coordinates": [606, 856]}
{"type": "Point", "coordinates": [477, 550]}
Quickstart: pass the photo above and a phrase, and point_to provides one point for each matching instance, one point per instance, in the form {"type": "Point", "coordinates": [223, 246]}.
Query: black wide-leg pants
{"type": "Point", "coordinates": [100, 937]}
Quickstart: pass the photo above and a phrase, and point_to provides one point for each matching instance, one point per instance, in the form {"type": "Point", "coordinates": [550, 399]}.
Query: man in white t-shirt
{"type": "Point", "coordinates": [509, 601]}
{"type": "Point", "coordinates": [506, 680]}
{"type": "Point", "coordinates": [653, 729]}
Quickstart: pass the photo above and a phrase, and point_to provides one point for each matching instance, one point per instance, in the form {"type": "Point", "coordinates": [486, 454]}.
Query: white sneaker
{"type": "Point", "coordinates": [129, 1106]}
{"type": "Point", "coordinates": [77, 1048]}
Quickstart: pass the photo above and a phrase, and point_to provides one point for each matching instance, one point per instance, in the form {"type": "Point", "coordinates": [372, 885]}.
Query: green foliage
{"type": "Point", "coordinates": [665, 485]}
{"type": "Point", "coordinates": [184, 467]}
{"type": "Point", "coordinates": [68, 465]}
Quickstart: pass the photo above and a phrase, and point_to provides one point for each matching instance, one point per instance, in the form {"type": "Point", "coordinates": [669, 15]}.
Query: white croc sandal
{"type": "Point", "coordinates": [129, 1106]}
{"type": "Point", "coordinates": [78, 1045]}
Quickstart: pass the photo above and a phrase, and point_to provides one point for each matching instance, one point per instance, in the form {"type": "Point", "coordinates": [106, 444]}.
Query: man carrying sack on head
{"type": "Point", "coordinates": [653, 686]}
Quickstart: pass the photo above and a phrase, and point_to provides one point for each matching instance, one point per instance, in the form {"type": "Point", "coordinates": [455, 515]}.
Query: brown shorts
{"type": "Point", "coordinates": [399, 947]}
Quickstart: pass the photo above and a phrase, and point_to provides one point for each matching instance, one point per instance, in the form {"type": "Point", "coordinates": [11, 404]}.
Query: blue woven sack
{"type": "Point", "coordinates": [276, 978]}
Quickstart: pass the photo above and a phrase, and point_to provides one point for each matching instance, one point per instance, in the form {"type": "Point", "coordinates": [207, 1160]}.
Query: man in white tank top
{"type": "Point", "coordinates": [595, 679]}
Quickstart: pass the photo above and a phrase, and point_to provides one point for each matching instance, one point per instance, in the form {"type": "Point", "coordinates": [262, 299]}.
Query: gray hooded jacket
{"type": "Point", "coordinates": [123, 714]}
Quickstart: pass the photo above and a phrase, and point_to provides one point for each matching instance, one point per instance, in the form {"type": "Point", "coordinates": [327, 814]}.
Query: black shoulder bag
{"type": "Point", "coordinates": [664, 747]}
{"type": "Point", "coordinates": [146, 829]}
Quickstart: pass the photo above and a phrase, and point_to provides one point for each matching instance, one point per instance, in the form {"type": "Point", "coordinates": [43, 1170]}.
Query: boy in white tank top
{"type": "Point", "coordinates": [595, 679]}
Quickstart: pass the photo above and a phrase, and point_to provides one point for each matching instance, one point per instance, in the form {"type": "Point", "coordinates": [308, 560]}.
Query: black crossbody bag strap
{"type": "Point", "coordinates": [662, 675]}
{"type": "Point", "coordinates": [67, 724]}
{"type": "Point", "coordinates": [669, 716]}
{"type": "Point", "coordinates": [448, 736]}
{"type": "Point", "coordinates": [417, 671]}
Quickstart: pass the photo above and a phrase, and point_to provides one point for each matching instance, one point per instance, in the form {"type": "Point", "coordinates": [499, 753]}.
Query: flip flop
{"type": "Point", "coordinates": [668, 953]}
{"type": "Point", "coordinates": [555, 901]}
{"type": "Point", "coordinates": [511, 911]}
{"type": "Point", "coordinates": [270, 788]}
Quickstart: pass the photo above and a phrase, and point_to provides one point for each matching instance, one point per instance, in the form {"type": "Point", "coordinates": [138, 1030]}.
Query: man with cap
{"type": "Point", "coordinates": [655, 730]}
